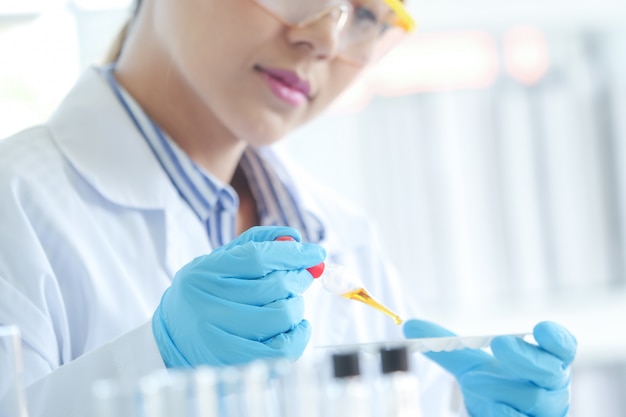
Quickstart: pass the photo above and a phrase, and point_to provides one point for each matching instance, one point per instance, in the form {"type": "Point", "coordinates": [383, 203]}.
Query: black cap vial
{"type": "Point", "coordinates": [346, 364]}
{"type": "Point", "coordinates": [394, 359]}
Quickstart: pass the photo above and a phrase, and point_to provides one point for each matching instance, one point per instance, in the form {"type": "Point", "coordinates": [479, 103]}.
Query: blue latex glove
{"type": "Point", "coordinates": [519, 379]}
{"type": "Point", "coordinates": [239, 303]}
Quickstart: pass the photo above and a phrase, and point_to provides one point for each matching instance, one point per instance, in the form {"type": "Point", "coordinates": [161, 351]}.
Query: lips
{"type": "Point", "coordinates": [289, 78]}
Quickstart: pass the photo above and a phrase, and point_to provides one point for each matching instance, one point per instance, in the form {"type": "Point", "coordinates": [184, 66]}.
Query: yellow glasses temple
{"type": "Point", "coordinates": [405, 20]}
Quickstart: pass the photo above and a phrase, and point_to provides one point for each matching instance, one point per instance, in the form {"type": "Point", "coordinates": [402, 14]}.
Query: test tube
{"type": "Point", "coordinates": [164, 394]}
{"type": "Point", "coordinates": [298, 388]}
{"type": "Point", "coordinates": [398, 390]}
{"type": "Point", "coordinates": [230, 392]}
{"type": "Point", "coordinates": [347, 395]}
{"type": "Point", "coordinates": [205, 394]}
{"type": "Point", "coordinates": [12, 396]}
{"type": "Point", "coordinates": [257, 390]}
{"type": "Point", "coordinates": [111, 398]}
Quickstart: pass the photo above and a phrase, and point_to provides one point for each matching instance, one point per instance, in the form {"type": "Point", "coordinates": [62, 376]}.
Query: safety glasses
{"type": "Point", "coordinates": [364, 29]}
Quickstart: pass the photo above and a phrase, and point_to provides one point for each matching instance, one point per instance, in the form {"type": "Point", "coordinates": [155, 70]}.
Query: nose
{"type": "Point", "coordinates": [319, 36]}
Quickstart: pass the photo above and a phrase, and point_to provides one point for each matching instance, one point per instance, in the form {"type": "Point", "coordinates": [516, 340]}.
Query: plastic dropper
{"type": "Point", "coordinates": [340, 281]}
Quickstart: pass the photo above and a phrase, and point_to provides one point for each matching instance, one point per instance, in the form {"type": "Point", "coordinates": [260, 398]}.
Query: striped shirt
{"type": "Point", "coordinates": [214, 202]}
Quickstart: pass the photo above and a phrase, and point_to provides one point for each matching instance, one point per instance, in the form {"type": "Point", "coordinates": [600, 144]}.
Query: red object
{"type": "Point", "coordinates": [316, 270]}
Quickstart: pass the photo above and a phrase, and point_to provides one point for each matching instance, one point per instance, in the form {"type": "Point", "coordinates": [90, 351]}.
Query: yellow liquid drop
{"type": "Point", "coordinates": [363, 296]}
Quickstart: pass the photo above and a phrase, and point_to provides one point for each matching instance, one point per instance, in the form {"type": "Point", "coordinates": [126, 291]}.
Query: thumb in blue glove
{"type": "Point", "coordinates": [239, 303]}
{"type": "Point", "coordinates": [518, 379]}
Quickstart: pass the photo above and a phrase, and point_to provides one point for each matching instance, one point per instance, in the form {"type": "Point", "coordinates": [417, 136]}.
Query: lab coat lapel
{"type": "Point", "coordinates": [99, 139]}
{"type": "Point", "coordinates": [110, 154]}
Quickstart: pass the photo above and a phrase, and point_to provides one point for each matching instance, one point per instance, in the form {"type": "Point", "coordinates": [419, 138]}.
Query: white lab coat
{"type": "Point", "coordinates": [93, 232]}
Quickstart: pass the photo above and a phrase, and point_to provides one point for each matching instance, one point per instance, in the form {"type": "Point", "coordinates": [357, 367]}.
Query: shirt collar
{"type": "Point", "coordinates": [277, 197]}
{"type": "Point", "coordinates": [201, 190]}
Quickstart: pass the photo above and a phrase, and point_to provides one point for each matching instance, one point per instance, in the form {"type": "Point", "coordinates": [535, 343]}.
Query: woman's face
{"type": "Point", "coordinates": [257, 76]}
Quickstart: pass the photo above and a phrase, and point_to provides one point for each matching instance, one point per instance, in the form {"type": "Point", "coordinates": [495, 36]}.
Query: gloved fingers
{"type": "Point", "coordinates": [557, 340]}
{"type": "Point", "coordinates": [257, 323]}
{"type": "Point", "coordinates": [253, 260]}
{"type": "Point", "coordinates": [263, 234]}
{"type": "Point", "coordinates": [414, 329]}
{"type": "Point", "coordinates": [274, 286]}
{"type": "Point", "coordinates": [530, 362]}
{"type": "Point", "coordinates": [291, 344]}
{"type": "Point", "coordinates": [481, 407]}
{"type": "Point", "coordinates": [518, 394]}
{"type": "Point", "coordinates": [221, 348]}
{"type": "Point", "coordinates": [456, 362]}
{"type": "Point", "coordinates": [170, 353]}
{"type": "Point", "coordinates": [504, 410]}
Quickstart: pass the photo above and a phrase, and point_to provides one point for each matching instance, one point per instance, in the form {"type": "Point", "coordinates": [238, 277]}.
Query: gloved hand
{"type": "Point", "coordinates": [519, 379]}
{"type": "Point", "coordinates": [239, 303]}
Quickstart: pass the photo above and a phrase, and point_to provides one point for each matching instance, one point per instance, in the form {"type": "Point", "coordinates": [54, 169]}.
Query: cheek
{"type": "Point", "coordinates": [197, 31]}
{"type": "Point", "coordinates": [207, 42]}
{"type": "Point", "coordinates": [341, 76]}
{"type": "Point", "coordinates": [179, 30]}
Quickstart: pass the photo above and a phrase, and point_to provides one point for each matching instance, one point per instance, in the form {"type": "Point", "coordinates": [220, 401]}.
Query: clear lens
{"type": "Point", "coordinates": [297, 13]}
{"type": "Point", "coordinates": [392, 37]}
{"type": "Point", "coordinates": [368, 28]}
{"type": "Point", "coordinates": [363, 48]}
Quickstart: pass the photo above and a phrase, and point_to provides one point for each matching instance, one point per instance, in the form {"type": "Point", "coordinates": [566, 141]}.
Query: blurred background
{"type": "Point", "coordinates": [489, 148]}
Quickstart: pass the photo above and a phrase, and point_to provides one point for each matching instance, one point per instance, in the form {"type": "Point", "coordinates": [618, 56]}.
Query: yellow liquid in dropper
{"type": "Point", "coordinates": [363, 296]}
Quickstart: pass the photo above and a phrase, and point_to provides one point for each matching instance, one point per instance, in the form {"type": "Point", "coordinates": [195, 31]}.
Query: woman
{"type": "Point", "coordinates": [128, 219]}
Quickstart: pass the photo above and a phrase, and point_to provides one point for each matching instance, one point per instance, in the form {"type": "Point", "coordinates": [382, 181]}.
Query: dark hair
{"type": "Point", "coordinates": [115, 49]}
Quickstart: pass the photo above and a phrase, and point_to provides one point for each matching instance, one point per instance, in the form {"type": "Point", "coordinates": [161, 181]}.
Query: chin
{"type": "Point", "coordinates": [264, 134]}
{"type": "Point", "coordinates": [264, 140]}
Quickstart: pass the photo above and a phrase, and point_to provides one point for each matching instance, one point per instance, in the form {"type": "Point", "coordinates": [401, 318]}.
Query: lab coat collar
{"type": "Point", "coordinates": [100, 140]}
